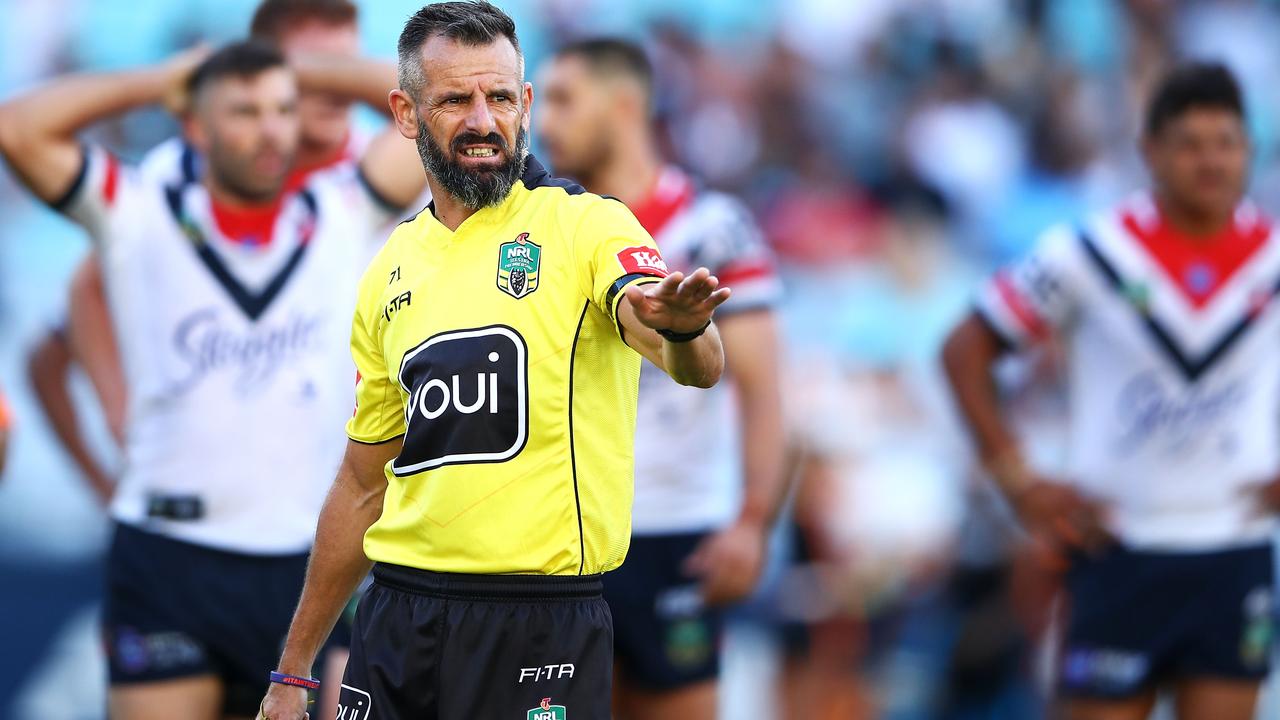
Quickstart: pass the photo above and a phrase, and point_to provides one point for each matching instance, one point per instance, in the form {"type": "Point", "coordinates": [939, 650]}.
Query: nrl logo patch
{"type": "Point", "coordinates": [547, 711]}
{"type": "Point", "coordinates": [518, 262]}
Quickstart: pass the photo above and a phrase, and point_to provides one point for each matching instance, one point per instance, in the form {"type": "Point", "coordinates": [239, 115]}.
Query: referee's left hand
{"type": "Point", "coordinates": [729, 562]}
{"type": "Point", "coordinates": [678, 303]}
{"type": "Point", "coordinates": [284, 702]}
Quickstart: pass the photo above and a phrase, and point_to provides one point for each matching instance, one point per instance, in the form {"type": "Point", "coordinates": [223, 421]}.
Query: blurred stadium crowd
{"type": "Point", "coordinates": [894, 151]}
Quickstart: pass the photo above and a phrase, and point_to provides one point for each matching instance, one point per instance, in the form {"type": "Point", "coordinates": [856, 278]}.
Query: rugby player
{"type": "Point", "coordinates": [320, 33]}
{"type": "Point", "coordinates": [489, 470]}
{"type": "Point", "coordinates": [1167, 309]}
{"type": "Point", "coordinates": [708, 463]}
{"type": "Point", "coordinates": [226, 296]}
{"type": "Point", "coordinates": [313, 34]}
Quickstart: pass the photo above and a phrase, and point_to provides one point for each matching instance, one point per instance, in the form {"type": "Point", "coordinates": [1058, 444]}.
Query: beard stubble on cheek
{"type": "Point", "coordinates": [235, 171]}
{"type": "Point", "coordinates": [474, 188]}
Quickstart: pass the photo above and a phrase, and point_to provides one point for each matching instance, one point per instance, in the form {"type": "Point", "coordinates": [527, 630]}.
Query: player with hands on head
{"type": "Point", "coordinates": [227, 291]}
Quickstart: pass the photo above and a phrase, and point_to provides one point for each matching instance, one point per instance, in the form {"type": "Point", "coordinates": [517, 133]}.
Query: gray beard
{"type": "Point", "coordinates": [475, 189]}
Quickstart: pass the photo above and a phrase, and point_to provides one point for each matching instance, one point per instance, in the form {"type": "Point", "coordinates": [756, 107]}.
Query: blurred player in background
{"type": "Point", "coordinates": [709, 473]}
{"type": "Point", "coordinates": [227, 294]}
{"type": "Point", "coordinates": [308, 32]}
{"type": "Point", "coordinates": [1167, 308]}
{"type": "Point", "coordinates": [305, 31]}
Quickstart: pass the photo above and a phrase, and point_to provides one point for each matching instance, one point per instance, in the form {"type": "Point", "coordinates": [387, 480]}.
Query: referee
{"type": "Point", "coordinates": [488, 477]}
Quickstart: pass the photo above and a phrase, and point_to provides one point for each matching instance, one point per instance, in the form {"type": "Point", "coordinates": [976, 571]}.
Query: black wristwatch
{"type": "Point", "coordinates": [679, 337]}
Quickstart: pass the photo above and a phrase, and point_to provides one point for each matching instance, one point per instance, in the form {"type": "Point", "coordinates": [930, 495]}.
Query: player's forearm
{"type": "Point", "coordinates": [59, 109]}
{"type": "Point", "coordinates": [969, 357]}
{"type": "Point", "coordinates": [38, 129]}
{"type": "Point", "coordinates": [361, 79]}
{"type": "Point", "coordinates": [698, 363]}
{"type": "Point", "coordinates": [337, 566]}
{"type": "Point", "coordinates": [765, 483]}
{"type": "Point", "coordinates": [92, 341]}
{"type": "Point", "coordinates": [48, 369]}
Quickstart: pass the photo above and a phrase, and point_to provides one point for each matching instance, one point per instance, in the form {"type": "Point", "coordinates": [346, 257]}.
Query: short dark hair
{"type": "Point", "coordinates": [274, 18]}
{"type": "Point", "coordinates": [240, 59]}
{"type": "Point", "coordinates": [1193, 85]}
{"type": "Point", "coordinates": [612, 56]}
{"type": "Point", "coordinates": [470, 22]}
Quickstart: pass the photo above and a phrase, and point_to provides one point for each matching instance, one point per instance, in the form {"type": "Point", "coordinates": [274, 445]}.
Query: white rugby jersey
{"type": "Point", "coordinates": [235, 357]}
{"type": "Point", "coordinates": [688, 460]}
{"type": "Point", "coordinates": [1173, 372]}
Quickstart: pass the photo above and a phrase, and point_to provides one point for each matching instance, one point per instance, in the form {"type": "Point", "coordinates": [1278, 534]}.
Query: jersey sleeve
{"type": "Point", "coordinates": [368, 210]}
{"type": "Point", "coordinates": [613, 252]}
{"type": "Point", "coordinates": [733, 248]}
{"type": "Point", "coordinates": [102, 191]}
{"type": "Point", "coordinates": [1031, 299]}
{"type": "Point", "coordinates": [379, 412]}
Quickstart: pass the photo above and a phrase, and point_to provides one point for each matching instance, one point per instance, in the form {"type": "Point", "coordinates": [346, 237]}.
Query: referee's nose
{"type": "Point", "coordinates": [479, 118]}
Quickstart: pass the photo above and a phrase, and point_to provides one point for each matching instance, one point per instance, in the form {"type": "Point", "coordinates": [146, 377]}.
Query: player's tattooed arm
{"type": "Point", "coordinates": [677, 304]}
{"type": "Point", "coordinates": [38, 128]}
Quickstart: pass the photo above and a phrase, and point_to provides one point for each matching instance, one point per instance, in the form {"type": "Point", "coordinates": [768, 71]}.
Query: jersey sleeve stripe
{"type": "Point", "coordinates": [1022, 311]}
{"type": "Point", "coordinates": [63, 202]}
{"type": "Point", "coordinates": [111, 181]}
{"type": "Point", "coordinates": [623, 283]}
{"type": "Point", "coordinates": [745, 273]}
{"type": "Point", "coordinates": [1007, 340]}
{"type": "Point", "coordinates": [382, 200]}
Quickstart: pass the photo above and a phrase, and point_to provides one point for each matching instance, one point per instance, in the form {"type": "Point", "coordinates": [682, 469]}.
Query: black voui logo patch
{"type": "Point", "coordinates": [468, 399]}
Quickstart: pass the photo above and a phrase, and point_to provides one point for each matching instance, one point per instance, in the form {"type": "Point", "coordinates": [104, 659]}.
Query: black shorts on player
{"type": "Point", "coordinates": [666, 637]}
{"type": "Point", "coordinates": [437, 646]}
{"type": "Point", "coordinates": [1137, 620]}
{"type": "Point", "coordinates": [176, 610]}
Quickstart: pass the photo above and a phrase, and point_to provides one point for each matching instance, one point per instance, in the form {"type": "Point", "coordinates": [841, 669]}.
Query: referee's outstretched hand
{"type": "Point", "coordinates": [284, 702]}
{"type": "Point", "coordinates": [678, 303]}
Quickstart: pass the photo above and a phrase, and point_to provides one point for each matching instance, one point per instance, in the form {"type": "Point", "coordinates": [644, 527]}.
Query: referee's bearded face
{"type": "Point", "coordinates": [247, 129]}
{"type": "Point", "coordinates": [470, 118]}
{"type": "Point", "coordinates": [575, 117]}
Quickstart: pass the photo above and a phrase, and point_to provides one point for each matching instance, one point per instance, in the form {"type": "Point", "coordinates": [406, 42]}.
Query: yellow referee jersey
{"type": "Point", "coordinates": [494, 351]}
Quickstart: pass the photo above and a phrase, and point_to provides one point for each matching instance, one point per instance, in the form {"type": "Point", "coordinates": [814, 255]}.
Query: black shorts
{"type": "Point", "coordinates": [435, 646]}
{"type": "Point", "coordinates": [174, 609]}
{"type": "Point", "coordinates": [1139, 619]}
{"type": "Point", "coordinates": [666, 637]}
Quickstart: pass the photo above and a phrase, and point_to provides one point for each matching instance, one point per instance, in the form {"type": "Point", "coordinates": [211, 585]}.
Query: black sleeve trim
{"type": "Point", "coordinates": [382, 200]}
{"type": "Point", "coordinates": [63, 201]}
{"type": "Point", "coordinates": [618, 285]}
{"type": "Point", "coordinates": [1007, 343]}
{"type": "Point", "coordinates": [379, 442]}
{"type": "Point", "coordinates": [624, 281]}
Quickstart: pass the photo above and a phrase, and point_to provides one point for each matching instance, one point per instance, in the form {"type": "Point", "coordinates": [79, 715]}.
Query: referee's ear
{"type": "Point", "coordinates": [528, 106]}
{"type": "Point", "coordinates": [404, 110]}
